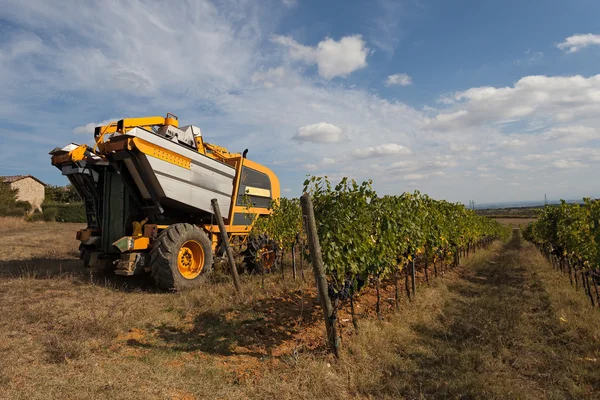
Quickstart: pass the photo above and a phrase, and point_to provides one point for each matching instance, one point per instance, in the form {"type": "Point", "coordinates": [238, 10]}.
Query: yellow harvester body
{"type": "Point", "coordinates": [147, 185]}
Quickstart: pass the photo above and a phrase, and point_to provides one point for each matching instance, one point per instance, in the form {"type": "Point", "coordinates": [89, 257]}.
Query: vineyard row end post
{"type": "Point", "coordinates": [319, 271]}
{"type": "Point", "coordinates": [225, 241]}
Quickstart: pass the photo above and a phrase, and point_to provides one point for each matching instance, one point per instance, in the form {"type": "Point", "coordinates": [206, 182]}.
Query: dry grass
{"type": "Point", "coordinates": [515, 222]}
{"type": "Point", "coordinates": [491, 329]}
{"type": "Point", "coordinates": [12, 223]}
{"type": "Point", "coordinates": [26, 241]}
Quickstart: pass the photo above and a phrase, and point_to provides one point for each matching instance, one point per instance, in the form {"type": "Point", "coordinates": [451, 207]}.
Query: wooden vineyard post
{"type": "Point", "coordinates": [301, 242]}
{"type": "Point", "coordinates": [397, 291]}
{"type": "Point", "coordinates": [294, 261]}
{"type": "Point", "coordinates": [596, 288]}
{"type": "Point", "coordinates": [319, 271]}
{"type": "Point", "coordinates": [413, 277]}
{"type": "Point", "coordinates": [225, 241]}
{"type": "Point", "coordinates": [589, 288]}
{"type": "Point", "coordinates": [406, 284]}
{"type": "Point", "coordinates": [377, 305]}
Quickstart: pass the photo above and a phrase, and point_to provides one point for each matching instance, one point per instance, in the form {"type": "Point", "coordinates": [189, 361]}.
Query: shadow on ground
{"type": "Point", "coordinates": [255, 329]}
{"type": "Point", "coordinates": [54, 268]}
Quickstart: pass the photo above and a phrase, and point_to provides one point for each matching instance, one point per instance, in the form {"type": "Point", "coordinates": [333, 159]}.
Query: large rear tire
{"type": "Point", "coordinates": [180, 256]}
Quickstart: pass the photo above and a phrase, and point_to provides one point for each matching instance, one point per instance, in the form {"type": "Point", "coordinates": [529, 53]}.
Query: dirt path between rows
{"type": "Point", "coordinates": [508, 329]}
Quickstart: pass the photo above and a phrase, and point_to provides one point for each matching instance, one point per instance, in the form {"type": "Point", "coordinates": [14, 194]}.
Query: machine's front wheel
{"type": "Point", "coordinates": [181, 254]}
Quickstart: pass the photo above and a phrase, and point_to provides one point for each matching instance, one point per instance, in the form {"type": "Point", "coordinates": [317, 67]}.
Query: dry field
{"type": "Point", "coordinates": [503, 325]}
{"type": "Point", "coordinates": [515, 222]}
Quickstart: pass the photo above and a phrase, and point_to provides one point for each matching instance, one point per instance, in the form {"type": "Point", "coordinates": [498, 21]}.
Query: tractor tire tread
{"type": "Point", "coordinates": [164, 252]}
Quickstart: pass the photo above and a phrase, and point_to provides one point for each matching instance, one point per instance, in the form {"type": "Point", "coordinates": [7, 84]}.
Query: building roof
{"type": "Point", "coordinates": [14, 178]}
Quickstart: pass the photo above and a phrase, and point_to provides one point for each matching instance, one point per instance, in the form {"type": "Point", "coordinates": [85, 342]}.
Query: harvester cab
{"type": "Point", "coordinates": [147, 186]}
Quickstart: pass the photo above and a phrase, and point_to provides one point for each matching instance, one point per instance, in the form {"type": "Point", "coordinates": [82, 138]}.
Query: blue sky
{"type": "Point", "coordinates": [463, 100]}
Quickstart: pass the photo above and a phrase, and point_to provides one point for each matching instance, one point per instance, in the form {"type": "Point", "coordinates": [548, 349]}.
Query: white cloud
{"type": "Point", "coordinates": [559, 99]}
{"type": "Point", "coordinates": [322, 132]}
{"type": "Point", "coordinates": [537, 157]}
{"type": "Point", "coordinates": [387, 149]}
{"type": "Point", "coordinates": [511, 163]}
{"type": "Point", "coordinates": [565, 158]}
{"type": "Point", "coordinates": [575, 43]}
{"type": "Point", "coordinates": [444, 162]}
{"type": "Point", "coordinates": [385, 30]}
{"type": "Point", "coordinates": [414, 177]}
{"type": "Point", "coordinates": [244, 92]}
{"type": "Point", "coordinates": [404, 165]}
{"type": "Point", "coordinates": [333, 58]}
{"type": "Point", "coordinates": [86, 53]}
{"type": "Point", "coordinates": [416, 165]}
{"type": "Point", "coordinates": [446, 99]}
{"type": "Point", "coordinates": [398, 79]}
{"type": "Point", "coordinates": [89, 128]}
{"type": "Point", "coordinates": [463, 147]}
{"type": "Point", "coordinates": [572, 134]}
{"type": "Point", "coordinates": [530, 57]}
{"type": "Point", "coordinates": [564, 164]}
{"type": "Point", "coordinates": [448, 119]}
{"type": "Point", "coordinates": [290, 3]}
{"type": "Point", "coordinates": [513, 143]}
{"type": "Point", "coordinates": [270, 77]}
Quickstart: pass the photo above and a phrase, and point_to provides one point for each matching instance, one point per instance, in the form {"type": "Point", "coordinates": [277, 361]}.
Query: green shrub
{"type": "Point", "coordinates": [9, 206]}
{"type": "Point", "coordinates": [11, 211]}
{"type": "Point", "coordinates": [62, 194]}
{"type": "Point", "coordinates": [25, 205]}
{"type": "Point", "coordinates": [14, 212]}
{"type": "Point", "coordinates": [8, 195]}
{"type": "Point", "coordinates": [36, 217]}
{"type": "Point", "coordinates": [65, 212]}
{"type": "Point", "coordinates": [50, 214]}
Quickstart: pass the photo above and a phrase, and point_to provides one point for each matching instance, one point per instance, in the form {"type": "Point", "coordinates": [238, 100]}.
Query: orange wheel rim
{"type": "Point", "coordinates": [190, 259]}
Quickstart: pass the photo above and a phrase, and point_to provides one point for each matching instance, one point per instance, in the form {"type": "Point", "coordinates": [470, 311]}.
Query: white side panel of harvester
{"type": "Point", "coordinates": [195, 187]}
{"type": "Point", "coordinates": [205, 180]}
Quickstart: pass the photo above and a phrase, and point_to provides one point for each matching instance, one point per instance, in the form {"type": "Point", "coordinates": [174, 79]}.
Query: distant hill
{"type": "Point", "coordinates": [519, 204]}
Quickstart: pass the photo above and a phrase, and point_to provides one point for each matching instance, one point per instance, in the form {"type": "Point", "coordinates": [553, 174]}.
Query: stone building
{"type": "Point", "coordinates": [30, 189]}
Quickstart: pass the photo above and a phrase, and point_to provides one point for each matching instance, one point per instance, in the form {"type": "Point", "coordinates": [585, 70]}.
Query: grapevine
{"type": "Point", "coordinates": [366, 237]}
{"type": "Point", "coordinates": [569, 237]}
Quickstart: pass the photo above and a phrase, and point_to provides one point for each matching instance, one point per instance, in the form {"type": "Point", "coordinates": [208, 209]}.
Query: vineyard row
{"type": "Point", "coordinates": [362, 237]}
{"type": "Point", "coordinates": [568, 235]}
